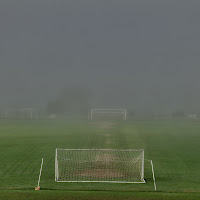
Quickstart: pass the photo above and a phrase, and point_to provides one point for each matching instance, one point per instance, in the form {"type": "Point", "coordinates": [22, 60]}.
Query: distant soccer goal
{"type": "Point", "coordinates": [20, 113]}
{"type": "Point", "coordinates": [99, 165]}
{"type": "Point", "coordinates": [108, 114]}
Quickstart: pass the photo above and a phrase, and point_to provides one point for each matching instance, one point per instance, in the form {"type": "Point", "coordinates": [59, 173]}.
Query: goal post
{"type": "Point", "coordinates": [105, 113]}
{"type": "Point", "coordinates": [99, 165]}
{"type": "Point", "coordinates": [19, 113]}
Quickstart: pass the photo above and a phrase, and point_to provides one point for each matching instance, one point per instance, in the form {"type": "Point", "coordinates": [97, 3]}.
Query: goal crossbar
{"type": "Point", "coordinates": [101, 149]}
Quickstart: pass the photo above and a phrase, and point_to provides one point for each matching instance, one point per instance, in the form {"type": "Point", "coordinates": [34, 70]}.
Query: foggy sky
{"type": "Point", "coordinates": [139, 54]}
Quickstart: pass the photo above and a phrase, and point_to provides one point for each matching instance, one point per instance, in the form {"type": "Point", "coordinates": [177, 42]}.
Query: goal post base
{"type": "Point", "coordinates": [99, 182]}
{"type": "Point", "coordinates": [37, 188]}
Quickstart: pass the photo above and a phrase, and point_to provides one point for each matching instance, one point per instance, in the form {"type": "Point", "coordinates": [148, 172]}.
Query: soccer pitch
{"type": "Point", "coordinates": [172, 145]}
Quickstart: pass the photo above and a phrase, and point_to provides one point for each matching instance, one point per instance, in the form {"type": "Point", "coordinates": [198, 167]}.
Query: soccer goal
{"type": "Point", "coordinates": [21, 113]}
{"type": "Point", "coordinates": [108, 114]}
{"type": "Point", "coordinates": [99, 165]}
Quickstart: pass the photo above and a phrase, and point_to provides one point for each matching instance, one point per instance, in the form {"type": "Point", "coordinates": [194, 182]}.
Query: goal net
{"type": "Point", "coordinates": [112, 114]}
{"type": "Point", "coordinates": [99, 165]}
{"type": "Point", "coordinates": [22, 113]}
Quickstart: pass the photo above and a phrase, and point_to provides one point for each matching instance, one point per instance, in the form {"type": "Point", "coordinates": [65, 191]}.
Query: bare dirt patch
{"type": "Point", "coordinates": [102, 173]}
{"type": "Point", "coordinates": [107, 134]}
{"type": "Point", "coordinates": [105, 158]}
{"type": "Point", "coordinates": [106, 125]}
{"type": "Point", "coordinates": [103, 125]}
{"type": "Point", "coordinates": [108, 142]}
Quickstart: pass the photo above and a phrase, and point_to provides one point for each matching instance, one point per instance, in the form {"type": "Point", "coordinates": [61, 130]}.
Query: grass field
{"type": "Point", "coordinates": [172, 145]}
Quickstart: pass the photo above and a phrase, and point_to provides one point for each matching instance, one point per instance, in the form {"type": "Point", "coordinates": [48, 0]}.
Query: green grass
{"type": "Point", "coordinates": [172, 145]}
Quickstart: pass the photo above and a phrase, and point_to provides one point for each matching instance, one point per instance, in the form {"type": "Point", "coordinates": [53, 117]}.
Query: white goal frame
{"type": "Point", "coordinates": [57, 165]}
{"type": "Point", "coordinates": [30, 110]}
{"type": "Point", "coordinates": [121, 111]}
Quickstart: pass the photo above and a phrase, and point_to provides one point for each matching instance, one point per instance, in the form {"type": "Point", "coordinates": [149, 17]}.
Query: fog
{"type": "Point", "coordinates": [142, 55]}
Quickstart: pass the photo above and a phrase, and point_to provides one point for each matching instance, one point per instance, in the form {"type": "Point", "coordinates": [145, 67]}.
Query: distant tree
{"type": "Point", "coordinates": [178, 113]}
{"type": "Point", "coordinates": [72, 100]}
{"type": "Point", "coordinates": [131, 113]}
{"type": "Point", "coordinates": [53, 107]}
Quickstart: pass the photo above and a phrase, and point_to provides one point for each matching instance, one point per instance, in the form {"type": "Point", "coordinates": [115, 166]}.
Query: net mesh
{"type": "Point", "coordinates": [19, 114]}
{"type": "Point", "coordinates": [99, 165]}
{"type": "Point", "coordinates": [111, 114]}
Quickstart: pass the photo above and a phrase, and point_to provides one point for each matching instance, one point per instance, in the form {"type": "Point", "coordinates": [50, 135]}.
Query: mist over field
{"type": "Point", "coordinates": [99, 99]}
{"type": "Point", "coordinates": [142, 55]}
